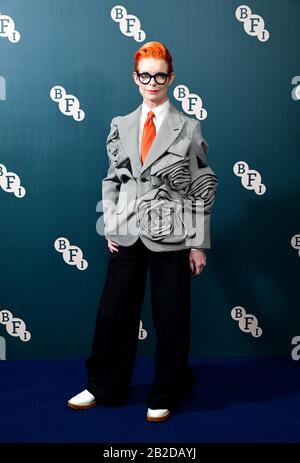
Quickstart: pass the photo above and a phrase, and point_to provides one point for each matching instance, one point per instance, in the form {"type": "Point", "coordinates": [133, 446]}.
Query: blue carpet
{"type": "Point", "coordinates": [249, 400]}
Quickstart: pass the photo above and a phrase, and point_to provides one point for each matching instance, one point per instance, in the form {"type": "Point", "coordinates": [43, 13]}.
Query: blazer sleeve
{"type": "Point", "coordinates": [111, 183]}
{"type": "Point", "coordinates": [202, 189]}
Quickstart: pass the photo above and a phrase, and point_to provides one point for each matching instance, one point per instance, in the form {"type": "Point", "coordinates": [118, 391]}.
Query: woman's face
{"type": "Point", "coordinates": [153, 93]}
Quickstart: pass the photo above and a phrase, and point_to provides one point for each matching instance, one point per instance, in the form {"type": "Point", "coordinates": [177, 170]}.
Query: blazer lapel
{"type": "Point", "coordinates": [129, 134]}
{"type": "Point", "coordinates": [170, 129]}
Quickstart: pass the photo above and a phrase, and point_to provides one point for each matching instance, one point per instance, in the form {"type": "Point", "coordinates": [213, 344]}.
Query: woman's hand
{"type": "Point", "coordinates": [112, 246]}
{"type": "Point", "coordinates": [197, 259]}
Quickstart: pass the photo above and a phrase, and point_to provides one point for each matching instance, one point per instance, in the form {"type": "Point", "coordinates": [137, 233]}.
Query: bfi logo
{"type": "Point", "coordinates": [68, 104]}
{"type": "Point", "coordinates": [129, 24]}
{"type": "Point", "coordinates": [15, 327]}
{"type": "Point", "coordinates": [248, 323]}
{"type": "Point", "coordinates": [254, 24]}
{"type": "Point", "coordinates": [8, 30]}
{"type": "Point", "coordinates": [190, 102]}
{"type": "Point", "coordinates": [250, 178]}
{"type": "Point", "coordinates": [72, 255]}
{"type": "Point", "coordinates": [11, 183]}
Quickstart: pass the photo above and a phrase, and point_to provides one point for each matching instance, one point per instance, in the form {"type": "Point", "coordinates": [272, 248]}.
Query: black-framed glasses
{"type": "Point", "coordinates": [160, 77]}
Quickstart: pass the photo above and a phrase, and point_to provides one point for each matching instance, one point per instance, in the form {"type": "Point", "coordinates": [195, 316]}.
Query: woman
{"type": "Point", "coordinates": [158, 182]}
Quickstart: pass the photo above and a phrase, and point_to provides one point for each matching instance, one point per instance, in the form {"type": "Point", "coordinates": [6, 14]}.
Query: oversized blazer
{"type": "Point", "coordinates": [167, 201]}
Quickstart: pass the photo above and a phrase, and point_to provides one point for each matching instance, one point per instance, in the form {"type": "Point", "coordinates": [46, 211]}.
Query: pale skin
{"type": "Point", "coordinates": [197, 257]}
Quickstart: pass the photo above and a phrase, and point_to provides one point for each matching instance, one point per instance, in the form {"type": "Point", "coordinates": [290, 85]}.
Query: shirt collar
{"type": "Point", "coordinates": [158, 111]}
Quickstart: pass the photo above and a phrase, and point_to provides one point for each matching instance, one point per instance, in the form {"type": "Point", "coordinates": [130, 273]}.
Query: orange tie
{"type": "Point", "coordinates": [149, 133]}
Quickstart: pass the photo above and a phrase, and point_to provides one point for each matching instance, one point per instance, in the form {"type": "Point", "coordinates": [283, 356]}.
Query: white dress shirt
{"type": "Point", "coordinates": [160, 113]}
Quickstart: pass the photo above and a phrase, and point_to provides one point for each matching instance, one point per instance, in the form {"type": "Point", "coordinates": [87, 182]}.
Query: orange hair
{"type": "Point", "coordinates": [153, 50]}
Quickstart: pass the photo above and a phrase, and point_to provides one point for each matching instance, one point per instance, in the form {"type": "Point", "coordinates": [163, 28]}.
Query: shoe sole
{"type": "Point", "coordinates": [158, 419]}
{"type": "Point", "coordinates": [82, 407]}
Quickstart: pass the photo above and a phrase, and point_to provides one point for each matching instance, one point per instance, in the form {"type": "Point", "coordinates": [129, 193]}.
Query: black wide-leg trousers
{"type": "Point", "coordinates": [115, 341]}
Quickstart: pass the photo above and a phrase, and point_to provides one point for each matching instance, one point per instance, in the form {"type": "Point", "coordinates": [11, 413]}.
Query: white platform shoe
{"type": "Point", "coordinates": [160, 414]}
{"type": "Point", "coordinates": [85, 400]}
{"type": "Point", "coordinates": [82, 401]}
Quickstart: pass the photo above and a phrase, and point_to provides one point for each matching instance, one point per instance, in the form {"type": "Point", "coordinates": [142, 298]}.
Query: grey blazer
{"type": "Point", "coordinates": [166, 201]}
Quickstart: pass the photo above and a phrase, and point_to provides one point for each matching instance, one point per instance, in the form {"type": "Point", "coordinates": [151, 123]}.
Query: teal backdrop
{"type": "Point", "coordinates": [246, 87]}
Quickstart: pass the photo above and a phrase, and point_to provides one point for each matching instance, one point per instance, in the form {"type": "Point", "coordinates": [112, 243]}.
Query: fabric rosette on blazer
{"type": "Point", "coordinates": [202, 188]}
{"type": "Point", "coordinates": [119, 207]}
{"type": "Point", "coordinates": [173, 167]}
{"type": "Point", "coordinates": [117, 154]}
{"type": "Point", "coordinates": [161, 213]}
{"type": "Point", "coordinates": [162, 216]}
{"type": "Point", "coordinates": [199, 199]}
